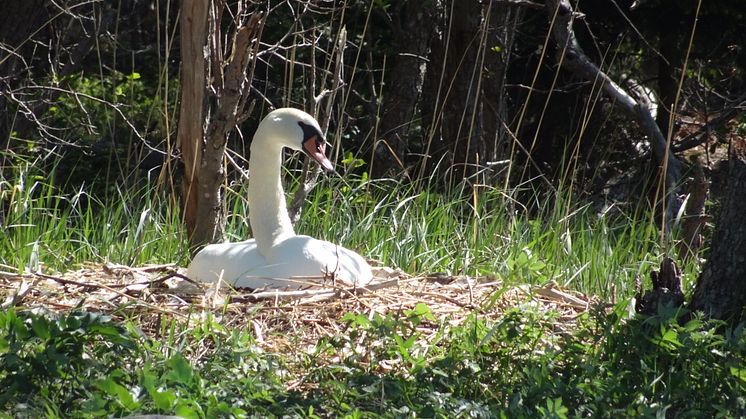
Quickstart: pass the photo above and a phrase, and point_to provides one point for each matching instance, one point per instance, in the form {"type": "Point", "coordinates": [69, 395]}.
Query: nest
{"type": "Point", "coordinates": [279, 319]}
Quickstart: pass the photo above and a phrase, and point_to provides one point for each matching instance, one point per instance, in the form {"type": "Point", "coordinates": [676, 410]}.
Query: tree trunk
{"type": "Point", "coordinates": [210, 113]}
{"type": "Point", "coordinates": [504, 21]}
{"type": "Point", "coordinates": [668, 61]}
{"type": "Point", "coordinates": [193, 30]}
{"type": "Point", "coordinates": [721, 290]}
{"type": "Point", "coordinates": [413, 26]}
{"type": "Point", "coordinates": [452, 105]}
{"type": "Point", "coordinates": [19, 20]}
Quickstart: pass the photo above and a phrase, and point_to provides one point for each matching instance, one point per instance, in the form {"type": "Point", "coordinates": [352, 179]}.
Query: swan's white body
{"type": "Point", "coordinates": [277, 257]}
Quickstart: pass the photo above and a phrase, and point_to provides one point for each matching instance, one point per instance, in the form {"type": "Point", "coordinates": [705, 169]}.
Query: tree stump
{"type": "Point", "coordinates": [666, 289]}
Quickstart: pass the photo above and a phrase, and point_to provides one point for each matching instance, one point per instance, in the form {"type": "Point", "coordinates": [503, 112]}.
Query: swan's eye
{"type": "Point", "coordinates": [310, 132]}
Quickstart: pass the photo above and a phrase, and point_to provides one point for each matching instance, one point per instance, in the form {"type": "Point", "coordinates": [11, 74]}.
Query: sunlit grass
{"type": "Point", "coordinates": [418, 231]}
{"type": "Point", "coordinates": [427, 232]}
{"type": "Point", "coordinates": [46, 229]}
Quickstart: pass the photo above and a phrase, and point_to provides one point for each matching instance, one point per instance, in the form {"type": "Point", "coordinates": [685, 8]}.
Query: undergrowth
{"type": "Point", "coordinates": [609, 365]}
{"type": "Point", "coordinates": [49, 230]}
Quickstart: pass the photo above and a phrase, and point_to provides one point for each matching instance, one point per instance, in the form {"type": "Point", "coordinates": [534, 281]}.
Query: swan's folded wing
{"type": "Point", "coordinates": [229, 261]}
{"type": "Point", "coordinates": [331, 260]}
{"type": "Point", "coordinates": [294, 263]}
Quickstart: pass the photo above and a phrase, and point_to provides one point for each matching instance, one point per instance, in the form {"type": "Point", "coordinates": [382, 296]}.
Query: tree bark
{"type": "Point", "coordinates": [413, 27]}
{"type": "Point", "coordinates": [668, 60]}
{"type": "Point", "coordinates": [193, 34]}
{"type": "Point", "coordinates": [452, 105]}
{"type": "Point", "coordinates": [209, 113]}
{"type": "Point", "coordinates": [18, 21]}
{"type": "Point", "coordinates": [666, 289]}
{"type": "Point", "coordinates": [504, 22]}
{"type": "Point", "coordinates": [721, 289]}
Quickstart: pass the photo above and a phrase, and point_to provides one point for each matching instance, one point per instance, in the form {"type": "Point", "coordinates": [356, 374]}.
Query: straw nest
{"type": "Point", "coordinates": [278, 319]}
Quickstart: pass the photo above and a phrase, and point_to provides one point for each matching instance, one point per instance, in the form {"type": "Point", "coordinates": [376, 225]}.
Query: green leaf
{"type": "Point", "coordinates": [118, 392]}
{"type": "Point", "coordinates": [555, 409]}
{"type": "Point", "coordinates": [164, 400]}
{"type": "Point", "coordinates": [96, 405]}
{"type": "Point", "coordinates": [670, 336]}
{"type": "Point", "coordinates": [356, 319]}
{"type": "Point", "coordinates": [739, 373]}
{"type": "Point", "coordinates": [181, 372]}
{"type": "Point", "coordinates": [350, 160]}
{"type": "Point", "coordinates": [188, 410]}
{"type": "Point", "coordinates": [40, 327]}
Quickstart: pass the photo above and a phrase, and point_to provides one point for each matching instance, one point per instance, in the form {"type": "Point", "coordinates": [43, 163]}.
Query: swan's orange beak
{"type": "Point", "coordinates": [316, 148]}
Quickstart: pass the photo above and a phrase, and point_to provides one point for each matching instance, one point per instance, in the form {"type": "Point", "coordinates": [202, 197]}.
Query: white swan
{"type": "Point", "coordinates": [277, 257]}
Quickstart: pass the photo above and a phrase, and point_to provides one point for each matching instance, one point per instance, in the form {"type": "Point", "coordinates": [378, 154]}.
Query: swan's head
{"type": "Point", "coordinates": [295, 129]}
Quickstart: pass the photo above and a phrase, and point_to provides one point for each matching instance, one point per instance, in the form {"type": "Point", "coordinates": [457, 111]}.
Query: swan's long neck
{"type": "Point", "coordinates": [268, 212]}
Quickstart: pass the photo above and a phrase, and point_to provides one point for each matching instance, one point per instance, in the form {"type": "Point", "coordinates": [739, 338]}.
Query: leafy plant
{"type": "Point", "coordinates": [54, 357]}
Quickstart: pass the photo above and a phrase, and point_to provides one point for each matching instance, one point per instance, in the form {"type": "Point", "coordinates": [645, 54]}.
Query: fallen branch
{"type": "Point", "coordinates": [15, 299]}
{"type": "Point", "coordinates": [572, 57]}
{"type": "Point", "coordinates": [109, 288]}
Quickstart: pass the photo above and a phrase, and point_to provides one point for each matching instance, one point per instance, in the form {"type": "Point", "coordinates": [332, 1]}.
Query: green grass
{"type": "Point", "coordinates": [525, 364]}
{"type": "Point", "coordinates": [421, 231]}
{"type": "Point", "coordinates": [45, 228]}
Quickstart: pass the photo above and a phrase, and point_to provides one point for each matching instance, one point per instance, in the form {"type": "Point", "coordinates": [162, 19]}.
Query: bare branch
{"type": "Point", "coordinates": [311, 175]}
{"type": "Point", "coordinates": [523, 3]}
{"type": "Point", "coordinates": [701, 135]}
{"type": "Point", "coordinates": [78, 95]}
